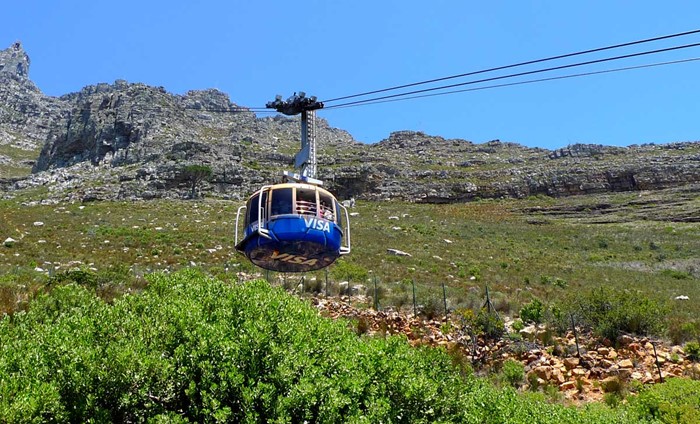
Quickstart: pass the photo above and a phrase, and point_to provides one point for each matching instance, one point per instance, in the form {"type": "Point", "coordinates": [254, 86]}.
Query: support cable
{"type": "Point", "coordinates": [487, 87]}
{"type": "Point", "coordinates": [530, 62]}
{"type": "Point", "coordinates": [537, 71]}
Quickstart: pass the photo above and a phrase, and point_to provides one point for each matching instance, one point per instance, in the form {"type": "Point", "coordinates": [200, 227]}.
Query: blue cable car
{"type": "Point", "coordinates": [293, 227]}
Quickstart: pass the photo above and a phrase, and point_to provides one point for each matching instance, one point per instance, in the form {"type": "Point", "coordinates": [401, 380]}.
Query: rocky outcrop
{"type": "Point", "coordinates": [14, 61]}
{"type": "Point", "coordinates": [580, 366]}
{"type": "Point", "coordinates": [26, 114]}
{"type": "Point", "coordinates": [138, 139]}
{"type": "Point", "coordinates": [435, 170]}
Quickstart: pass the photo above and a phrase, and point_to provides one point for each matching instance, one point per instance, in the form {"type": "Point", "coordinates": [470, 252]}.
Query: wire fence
{"type": "Point", "coordinates": [432, 300]}
{"type": "Point", "coordinates": [473, 306]}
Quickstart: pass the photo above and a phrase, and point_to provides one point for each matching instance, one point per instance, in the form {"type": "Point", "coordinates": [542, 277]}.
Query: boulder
{"type": "Point", "coordinates": [397, 252]}
{"type": "Point", "coordinates": [567, 385]}
{"type": "Point", "coordinates": [529, 332]}
{"type": "Point", "coordinates": [571, 363]}
{"type": "Point", "coordinates": [358, 289]}
{"type": "Point", "coordinates": [543, 372]}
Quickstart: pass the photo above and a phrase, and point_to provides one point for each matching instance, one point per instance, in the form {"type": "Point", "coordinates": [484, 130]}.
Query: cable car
{"type": "Point", "coordinates": [296, 225]}
{"type": "Point", "coordinates": [293, 227]}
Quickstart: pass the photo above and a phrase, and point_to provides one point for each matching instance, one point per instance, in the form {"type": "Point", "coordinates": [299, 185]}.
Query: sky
{"type": "Point", "coordinates": [254, 50]}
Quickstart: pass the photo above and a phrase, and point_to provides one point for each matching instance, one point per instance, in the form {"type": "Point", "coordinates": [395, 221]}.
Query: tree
{"type": "Point", "coordinates": [196, 174]}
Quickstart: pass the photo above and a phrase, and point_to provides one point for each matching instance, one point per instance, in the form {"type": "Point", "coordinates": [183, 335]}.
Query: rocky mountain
{"type": "Point", "coordinates": [130, 141]}
{"type": "Point", "coordinates": [26, 114]}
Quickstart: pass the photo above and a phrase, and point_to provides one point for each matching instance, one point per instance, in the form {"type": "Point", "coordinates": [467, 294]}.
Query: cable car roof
{"type": "Point", "coordinates": [296, 185]}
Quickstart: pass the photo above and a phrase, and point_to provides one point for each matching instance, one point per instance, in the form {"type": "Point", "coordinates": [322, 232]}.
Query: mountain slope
{"type": "Point", "coordinates": [129, 140]}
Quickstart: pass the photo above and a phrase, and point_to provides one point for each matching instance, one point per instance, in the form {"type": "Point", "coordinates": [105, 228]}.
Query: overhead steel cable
{"type": "Point", "coordinates": [537, 71]}
{"type": "Point", "coordinates": [530, 62]}
{"type": "Point", "coordinates": [220, 110]}
{"type": "Point", "coordinates": [233, 110]}
{"type": "Point", "coordinates": [583, 74]}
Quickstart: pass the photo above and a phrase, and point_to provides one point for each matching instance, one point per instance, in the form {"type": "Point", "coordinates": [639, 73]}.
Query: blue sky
{"type": "Point", "coordinates": [253, 50]}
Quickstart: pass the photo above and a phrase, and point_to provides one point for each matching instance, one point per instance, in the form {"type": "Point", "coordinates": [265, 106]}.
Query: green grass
{"type": "Point", "coordinates": [16, 154]}
{"type": "Point", "coordinates": [522, 249]}
{"type": "Point", "coordinates": [519, 253]}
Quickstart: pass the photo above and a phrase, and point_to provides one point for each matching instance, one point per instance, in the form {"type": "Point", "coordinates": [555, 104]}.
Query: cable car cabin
{"type": "Point", "coordinates": [293, 227]}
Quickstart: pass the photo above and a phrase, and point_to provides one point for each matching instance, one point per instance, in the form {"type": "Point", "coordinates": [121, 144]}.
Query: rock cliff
{"type": "Point", "coordinates": [26, 114]}
{"type": "Point", "coordinates": [129, 140]}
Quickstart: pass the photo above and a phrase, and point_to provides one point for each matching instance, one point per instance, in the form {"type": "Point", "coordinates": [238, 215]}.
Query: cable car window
{"type": "Point", "coordinates": [326, 207]}
{"type": "Point", "coordinates": [339, 219]}
{"type": "Point", "coordinates": [306, 202]}
{"type": "Point", "coordinates": [252, 215]}
{"type": "Point", "coordinates": [281, 203]}
{"type": "Point", "coordinates": [263, 205]}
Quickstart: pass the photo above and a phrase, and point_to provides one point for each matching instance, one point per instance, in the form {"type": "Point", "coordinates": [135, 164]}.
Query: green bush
{"type": "Point", "coordinates": [676, 274]}
{"type": "Point", "coordinates": [513, 372]}
{"type": "Point", "coordinates": [489, 325]}
{"type": "Point", "coordinates": [692, 351]}
{"type": "Point", "coordinates": [194, 349]}
{"type": "Point", "coordinates": [433, 308]}
{"type": "Point", "coordinates": [611, 312]}
{"type": "Point", "coordinates": [676, 401]}
{"type": "Point", "coordinates": [680, 330]}
{"type": "Point", "coordinates": [81, 276]}
{"type": "Point", "coordinates": [532, 312]}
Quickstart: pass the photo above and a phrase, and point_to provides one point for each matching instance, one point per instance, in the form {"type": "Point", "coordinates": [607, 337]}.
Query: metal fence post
{"type": "Point", "coordinates": [573, 327]}
{"type": "Point", "coordinates": [376, 300]}
{"type": "Point", "coordinates": [488, 300]}
{"type": "Point", "coordinates": [444, 297]}
{"type": "Point", "coordinates": [658, 367]}
{"type": "Point", "coordinates": [413, 283]}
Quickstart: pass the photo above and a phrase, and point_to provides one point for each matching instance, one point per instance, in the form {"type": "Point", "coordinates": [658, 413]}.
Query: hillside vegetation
{"type": "Point", "coordinates": [194, 349]}
{"type": "Point", "coordinates": [522, 249]}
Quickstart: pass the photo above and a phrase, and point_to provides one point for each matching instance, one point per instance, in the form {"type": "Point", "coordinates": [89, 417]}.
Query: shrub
{"type": "Point", "coordinates": [533, 381]}
{"type": "Point", "coordinates": [692, 351]}
{"type": "Point", "coordinates": [675, 401]}
{"type": "Point", "coordinates": [610, 312]}
{"type": "Point", "coordinates": [195, 174]}
{"type": "Point", "coordinates": [362, 326]}
{"type": "Point", "coordinates": [680, 330]}
{"type": "Point", "coordinates": [489, 325]}
{"type": "Point", "coordinates": [193, 349]}
{"type": "Point", "coordinates": [433, 308]}
{"type": "Point", "coordinates": [81, 276]}
{"type": "Point", "coordinates": [532, 312]}
{"type": "Point", "coordinates": [676, 274]}
{"type": "Point", "coordinates": [513, 372]}
{"type": "Point", "coordinates": [475, 272]}
{"type": "Point", "coordinates": [612, 399]}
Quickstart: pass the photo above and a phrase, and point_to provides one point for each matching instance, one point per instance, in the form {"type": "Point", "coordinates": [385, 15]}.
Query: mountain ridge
{"type": "Point", "coordinates": [132, 141]}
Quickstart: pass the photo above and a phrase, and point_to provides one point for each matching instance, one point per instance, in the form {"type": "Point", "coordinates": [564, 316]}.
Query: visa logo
{"type": "Point", "coordinates": [318, 224]}
{"type": "Point", "coordinates": [293, 259]}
